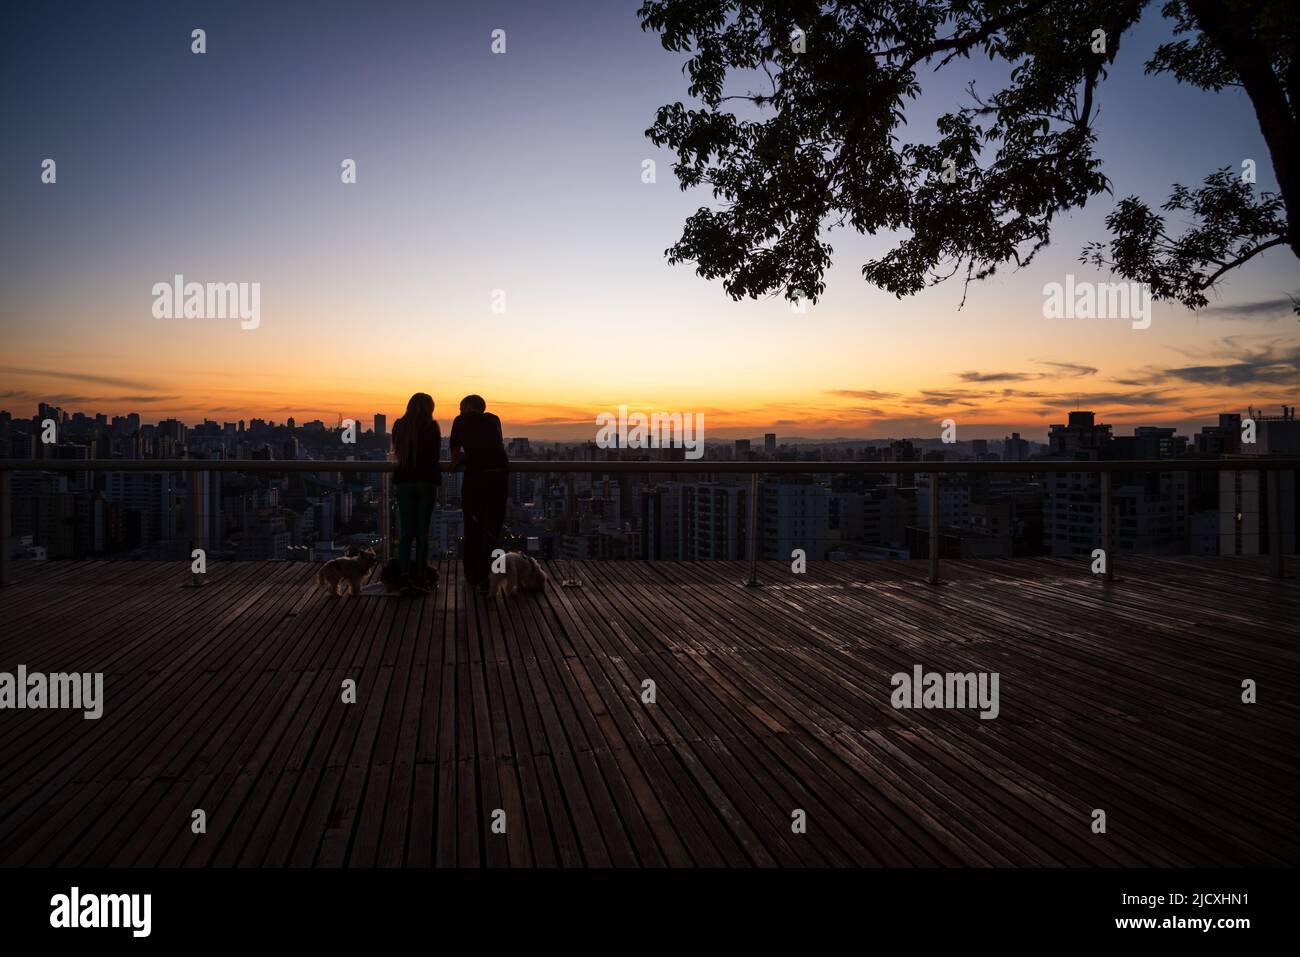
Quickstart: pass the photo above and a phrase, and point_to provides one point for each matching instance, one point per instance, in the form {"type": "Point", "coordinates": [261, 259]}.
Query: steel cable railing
{"type": "Point", "coordinates": [1268, 466]}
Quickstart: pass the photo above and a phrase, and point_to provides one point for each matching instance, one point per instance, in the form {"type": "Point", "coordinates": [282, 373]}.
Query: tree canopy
{"type": "Point", "coordinates": [816, 139]}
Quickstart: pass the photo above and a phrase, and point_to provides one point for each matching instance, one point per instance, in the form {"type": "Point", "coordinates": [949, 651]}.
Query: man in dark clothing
{"type": "Point", "coordinates": [478, 447]}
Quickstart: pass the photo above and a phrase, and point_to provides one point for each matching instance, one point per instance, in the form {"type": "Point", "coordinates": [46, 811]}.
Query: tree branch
{"type": "Point", "coordinates": [968, 40]}
{"type": "Point", "coordinates": [1241, 260]}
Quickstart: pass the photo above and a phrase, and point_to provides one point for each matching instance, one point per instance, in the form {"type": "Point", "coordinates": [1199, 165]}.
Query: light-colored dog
{"type": "Point", "coordinates": [522, 574]}
{"type": "Point", "coordinates": [351, 568]}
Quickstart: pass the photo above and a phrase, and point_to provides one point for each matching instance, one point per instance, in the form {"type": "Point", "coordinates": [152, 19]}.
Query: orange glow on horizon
{"type": "Point", "coordinates": [987, 413]}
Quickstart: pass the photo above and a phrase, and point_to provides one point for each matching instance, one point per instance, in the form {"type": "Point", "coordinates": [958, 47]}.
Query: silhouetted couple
{"type": "Point", "coordinates": [478, 448]}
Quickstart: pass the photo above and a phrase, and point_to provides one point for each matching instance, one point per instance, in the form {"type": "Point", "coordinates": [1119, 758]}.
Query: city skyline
{"type": "Point", "coordinates": [253, 506]}
{"type": "Point", "coordinates": [366, 424]}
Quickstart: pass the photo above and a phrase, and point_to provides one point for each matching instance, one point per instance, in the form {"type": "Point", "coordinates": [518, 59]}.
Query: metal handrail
{"type": "Point", "coordinates": [1245, 463]}
{"type": "Point", "coordinates": [1270, 465]}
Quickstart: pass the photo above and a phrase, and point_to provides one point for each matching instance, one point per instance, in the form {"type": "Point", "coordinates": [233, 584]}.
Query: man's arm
{"type": "Point", "coordinates": [455, 447]}
{"type": "Point", "coordinates": [437, 445]}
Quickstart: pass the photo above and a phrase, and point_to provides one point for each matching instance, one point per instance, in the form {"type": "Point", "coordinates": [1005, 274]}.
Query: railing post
{"type": "Point", "coordinates": [570, 579]}
{"type": "Point", "coordinates": [754, 489]}
{"type": "Point", "coordinates": [1274, 502]}
{"type": "Point", "coordinates": [5, 505]}
{"type": "Point", "coordinates": [934, 528]}
{"type": "Point", "coordinates": [385, 520]}
{"type": "Point", "coordinates": [1107, 532]}
{"type": "Point", "coordinates": [197, 479]}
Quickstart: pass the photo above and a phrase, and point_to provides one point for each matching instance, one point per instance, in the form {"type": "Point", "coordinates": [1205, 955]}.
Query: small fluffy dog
{"type": "Point", "coordinates": [522, 574]}
{"type": "Point", "coordinates": [352, 568]}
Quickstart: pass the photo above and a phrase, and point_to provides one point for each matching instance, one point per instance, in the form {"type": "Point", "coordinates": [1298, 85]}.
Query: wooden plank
{"type": "Point", "coordinates": [227, 698]}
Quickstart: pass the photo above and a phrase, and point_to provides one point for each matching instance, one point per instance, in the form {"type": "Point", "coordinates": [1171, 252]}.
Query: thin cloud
{"type": "Point", "coordinates": [1233, 362]}
{"type": "Point", "coordinates": [907, 426]}
{"type": "Point", "coordinates": [1248, 372]}
{"type": "Point", "coordinates": [78, 377]}
{"type": "Point", "coordinates": [998, 376]}
{"type": "Point", "coordinates": [869, 395]}
{"type": "Point", "coordinates": [1266, 310]}
{"type": "Point", "coordinates": [1266, 365]}
{"type": "Point", "coordinates": [1086, 400]}
{"type": "Point", "coordinates": [1072, 369]}
{"type": "Point", "coordinates": [951, 395]}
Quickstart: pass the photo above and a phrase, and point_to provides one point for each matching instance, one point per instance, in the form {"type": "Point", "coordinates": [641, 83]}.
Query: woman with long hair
{"type": "Point", "coordinates": [417, 444]}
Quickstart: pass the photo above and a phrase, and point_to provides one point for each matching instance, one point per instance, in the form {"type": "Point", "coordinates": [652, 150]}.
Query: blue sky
{"type": "Point", "coordinates": [521, 172]}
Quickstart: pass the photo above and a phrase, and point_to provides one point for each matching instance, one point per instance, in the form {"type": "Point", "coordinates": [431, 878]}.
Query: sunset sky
{"type": "Point", "coordinates": [522, 172]}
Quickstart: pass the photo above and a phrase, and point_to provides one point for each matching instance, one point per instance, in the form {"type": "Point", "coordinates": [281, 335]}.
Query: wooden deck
{"type": "Point", "coordinates": [227, 698]}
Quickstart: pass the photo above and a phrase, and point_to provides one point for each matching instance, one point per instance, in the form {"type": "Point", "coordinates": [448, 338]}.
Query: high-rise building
{"type": "Point", "coordinates": [327, 520]}
{"type": "Point", "coordinates": [606, 500]}
{"type": "Point", "coordinates": [265, 539]}
{"type": "Point", "coordinates": [1149, 510]}
{"type": "Point", "coordinates": [1148, 442]}
{"type": "Point", "coordinates": [1245, 512]}
{"type": "Point", "coordinates": [1014, 448]}
{"type": "Point", "coordinates": [1081, 439]}
{"type": "Point", "coordinates": [446, 529]}
{"type": "Point", "coordinates": [173, 429]}
{"type": "Point", "coordinates": [1276, 434]}
{"type": "Point", "coordinates": [152, 497]}
{"type": "Point", "coordinates": [667, 517]}
{"type": "Point", "coordinates": [901, 450]}
{"type": "Point", "coordinates": [720, 525]}
{"type": "Point", "coordinates": [1072, 509]}
{"type": "Point", "coordinates": [954, 503]}
{"type": "Point", "coordinates": [1221, 439]}
{"type": "Point", "coordinates": [769, 443]}
{"type": "Point", "coordinates": [795, 514]}
{"type": "Point", "coordinates": [886, 514]}
{"type": "Point", "coordinates": [381, 424]}
{"type": "Point", "coordinates": [1245, 504]}
{"type": "Point", "coordinates": [1150, 513]}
